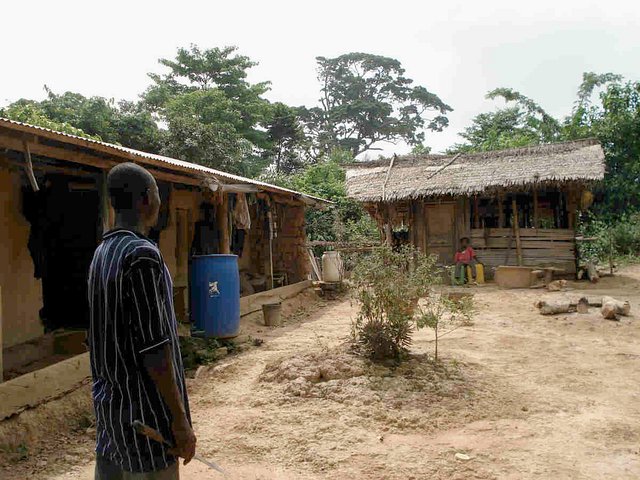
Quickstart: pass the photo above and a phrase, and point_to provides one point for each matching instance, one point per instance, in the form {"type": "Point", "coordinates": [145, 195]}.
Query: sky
{"type": "Point", "coordinates": [456, 49]}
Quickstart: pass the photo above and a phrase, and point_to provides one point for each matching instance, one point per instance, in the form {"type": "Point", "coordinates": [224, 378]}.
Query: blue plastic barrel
{"type": "Point", "coordinates": [215, 295]}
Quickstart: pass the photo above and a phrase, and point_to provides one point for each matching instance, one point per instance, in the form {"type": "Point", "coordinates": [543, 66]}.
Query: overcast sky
{"type": "Point", "coordinates": [458, 50]}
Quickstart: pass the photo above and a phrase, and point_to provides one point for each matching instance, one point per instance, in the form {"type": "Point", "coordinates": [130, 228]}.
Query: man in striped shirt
{"type": "Point", "coordinates": [133, 341]}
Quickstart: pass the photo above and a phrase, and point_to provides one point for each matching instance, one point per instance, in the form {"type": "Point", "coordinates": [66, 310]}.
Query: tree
{"type": "Point", "coordinates": [345, 220]}
{"type": "Point", "coordinates": [524, 123]}
{"type": "Point", "coordinates": [214, 116]}
{"type": "Point", "coordinates": [617, 125]}
{"type": "Point", "coordinates": [366, 99]}
{"type": "Point", "coordinates": [126, 123]}
{"type": "Point", "coordinates": [286, 137]}
{"type": "Point", "coordinates": [29, 111]}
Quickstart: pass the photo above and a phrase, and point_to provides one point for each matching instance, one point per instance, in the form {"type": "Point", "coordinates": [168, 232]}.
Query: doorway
{"type": "Point", "coordinates": [63, 239]}
{"type": "Point", "coordinates": [441, 231]}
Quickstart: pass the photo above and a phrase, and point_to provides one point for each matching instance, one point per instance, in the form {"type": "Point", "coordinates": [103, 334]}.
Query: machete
{"type": "Point", "coordinates": [153, 434]}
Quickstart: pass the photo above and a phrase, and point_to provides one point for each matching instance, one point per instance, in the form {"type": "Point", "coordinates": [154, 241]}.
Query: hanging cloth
{"type": "Point", "coordinates": [241, 216]}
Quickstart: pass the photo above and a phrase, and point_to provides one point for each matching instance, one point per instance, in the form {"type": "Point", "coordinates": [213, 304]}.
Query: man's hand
{"type": "Point", "coordinates": [185, 440]}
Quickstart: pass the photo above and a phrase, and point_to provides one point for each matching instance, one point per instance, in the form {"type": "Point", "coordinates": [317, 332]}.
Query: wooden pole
{"type": "Point", "coordinates": [610, 252]}
{"type": "Point", "coordinates": [388, 231]}
{"type": "Point", "coordinates": [501, 222]}
{"type": "Point", "coordinates": [476, 213]}
{"type": "Point", "coordinates": [536, 217]}
{"type": "Point", "coordinates": [222, 216]}
{"type": "Point", "coordinates": [516, 230]}
{"type": "Point", "coordinates": [270, 216]}
{"type": "Point", "coordinates": [1, 366]}
{"type": "Point", "coordinates": [105, 204]}
{"type": "Point", "coordinates": [29, 167]}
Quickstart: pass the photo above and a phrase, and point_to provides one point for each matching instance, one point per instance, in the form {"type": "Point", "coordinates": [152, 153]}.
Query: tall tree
{"type": "Point", "coordinates": [287, 139]}
{"type": "Point", "coordinates": [616, 123]}
{"type": "Point", "coordinates": [522, 122]}
{"type": "Point", "coordinates": [367, 99]}
{"type": "Point", "coordinates": [214, 115]}
{"type": "Point", "coordinates": [124, 123]}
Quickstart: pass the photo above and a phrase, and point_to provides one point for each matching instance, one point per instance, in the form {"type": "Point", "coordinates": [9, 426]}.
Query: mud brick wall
{"type": "Point", "coordinates": [289, 254]}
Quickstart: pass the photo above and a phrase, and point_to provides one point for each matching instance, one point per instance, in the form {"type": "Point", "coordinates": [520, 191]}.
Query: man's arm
{"type": "Point", "coordinates": [150, 331]}
{"type": "Point", "coordinates": [159, 365]}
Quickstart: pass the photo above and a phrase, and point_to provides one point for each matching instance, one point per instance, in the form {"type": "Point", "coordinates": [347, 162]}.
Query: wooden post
{"type": "Point", "coordinates": [501, 222]}
{"type": "Point", "coordinates": [536, 218]}
{"type": "Point", "coordinates": [29, 167]}
{"type": "Point", "coordinates": [105, 204]}
{"type": "Point", "coordinates": [271, 231]}
{"type": "Point", "coordinates": [222, 217]}
{"type": "Point", "coordinates": [572, 207]}
{"type": "Point", "coordinates": [1, 366]}
{"type": "Point", "coordinates": [388, 230]}
{"type": "Point", "coordinates": [476, 213]}
{"type": "Point", "coordinates": [610, 252]}
{"type": "Point", "coordinates": [516, 230]}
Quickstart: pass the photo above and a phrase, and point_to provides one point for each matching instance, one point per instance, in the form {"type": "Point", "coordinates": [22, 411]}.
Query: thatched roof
{"type": "Point", "coordinates": [414, 176]}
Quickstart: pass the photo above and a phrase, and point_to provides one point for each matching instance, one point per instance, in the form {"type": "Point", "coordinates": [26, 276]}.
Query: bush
{"type": "Point", "coordinates": [387, 286]}
{"type": "Point", "coordinates": [617, 236]}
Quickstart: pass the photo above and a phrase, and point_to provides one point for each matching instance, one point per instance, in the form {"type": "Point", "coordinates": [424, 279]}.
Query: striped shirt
{"type": "Point", "coordinates": [131, 312]}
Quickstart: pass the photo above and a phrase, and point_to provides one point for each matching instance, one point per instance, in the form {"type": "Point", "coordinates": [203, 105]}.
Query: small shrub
{"type": "Point", "coordinates": [388, 285]}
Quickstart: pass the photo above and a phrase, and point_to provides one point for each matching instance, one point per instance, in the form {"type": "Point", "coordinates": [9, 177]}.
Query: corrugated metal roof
{"type": "Point", "coordinates": [171, 163]}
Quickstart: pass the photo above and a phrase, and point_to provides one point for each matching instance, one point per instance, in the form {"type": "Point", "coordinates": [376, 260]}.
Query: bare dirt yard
{"type": "Point", "coordinates": [520, 395]}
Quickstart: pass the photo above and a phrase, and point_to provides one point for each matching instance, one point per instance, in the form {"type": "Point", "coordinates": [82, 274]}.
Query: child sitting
{"type": "Point", "coordinates": [465, 256]}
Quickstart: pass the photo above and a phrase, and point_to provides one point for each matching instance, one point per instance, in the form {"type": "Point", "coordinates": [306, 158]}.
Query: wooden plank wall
{"type": "Point", "coordinates": [540, 248]}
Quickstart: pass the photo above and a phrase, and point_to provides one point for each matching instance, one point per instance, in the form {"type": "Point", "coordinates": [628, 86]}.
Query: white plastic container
{"type": "Point", "coordinates": [331, 266]}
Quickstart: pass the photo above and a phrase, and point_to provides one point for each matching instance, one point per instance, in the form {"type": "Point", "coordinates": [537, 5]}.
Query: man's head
{"type": "Point", "coordinates": [134, 193]}
{"type": "Point", "coordinates": [464, 242]}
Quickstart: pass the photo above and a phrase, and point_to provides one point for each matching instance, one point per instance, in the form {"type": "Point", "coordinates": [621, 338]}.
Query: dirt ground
{"type": "Point", "coordinates": [521, 395]}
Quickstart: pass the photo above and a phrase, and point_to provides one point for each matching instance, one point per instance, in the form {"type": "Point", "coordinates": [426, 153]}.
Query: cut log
{"type": "Point", "coordinates": [583, 305]}
{"type": "Point", "coordinates": [553, 308]}
{"type": "Point", "coordinates": [612, 309]}
{"type": "Point", "coordinates": [594, 302]}
{"type": "Point", "coordinates": [557, 286]}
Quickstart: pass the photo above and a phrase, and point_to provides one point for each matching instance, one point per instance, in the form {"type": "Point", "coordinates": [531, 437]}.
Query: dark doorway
{"type": "Point", "coordinates": [64, 236]}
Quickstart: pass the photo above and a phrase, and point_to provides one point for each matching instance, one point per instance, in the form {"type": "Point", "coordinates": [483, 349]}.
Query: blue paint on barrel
{"type": "Point", "coordinates": [215, 295]}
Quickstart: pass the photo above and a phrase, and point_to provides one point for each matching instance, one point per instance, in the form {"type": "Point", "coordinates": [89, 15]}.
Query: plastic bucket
{"type": "Point", "coordinates": [271, 313]}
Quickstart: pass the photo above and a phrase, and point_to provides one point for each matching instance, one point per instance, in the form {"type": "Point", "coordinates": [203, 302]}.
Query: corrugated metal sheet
{"type": "Point", "coordinates": [172, 163]}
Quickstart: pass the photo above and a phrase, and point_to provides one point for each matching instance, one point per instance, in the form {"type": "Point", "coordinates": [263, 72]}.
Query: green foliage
{"type": "Point", "coordinates": [525, 123]}
{"type": "Point", "coordinates": [618, 238]}
{"type": "Point", "coordinates": [367, 99]}
{"type": "Point", "coordinates": [346, 220]}
{"type": "Point", "coordinates": [286, 138]}
{"type": "Point", "coordinates": [438, 309]}
{"type": "Point", "coordinates": [30, 112]}
{"type": "Point", "coordinates": [388, 285]}
{"type": "Point", "coordinates": [387, 290]}
{"type": "Point", "coordinates": [126, 123]}
{"type": "Point", "coordinates": [215, 117]}
{"type": "Point", "coordinates": [198, 351]}
{"type": "Point", "coordinates": [617, 125]}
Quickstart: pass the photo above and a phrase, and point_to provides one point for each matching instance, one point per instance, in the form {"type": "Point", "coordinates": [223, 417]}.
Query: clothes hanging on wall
{"type": "Point", "coordinates": [241, 215]}
{"type": "Point", "coordinates": [34, 207]}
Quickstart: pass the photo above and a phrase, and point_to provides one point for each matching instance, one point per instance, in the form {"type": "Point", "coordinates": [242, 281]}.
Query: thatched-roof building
{"type": "Point", "coordinates": [518, 206]}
